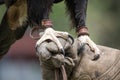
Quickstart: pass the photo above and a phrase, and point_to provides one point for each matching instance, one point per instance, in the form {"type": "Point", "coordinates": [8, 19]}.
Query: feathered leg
{"type": "Point", "coordinates": [77, 10]}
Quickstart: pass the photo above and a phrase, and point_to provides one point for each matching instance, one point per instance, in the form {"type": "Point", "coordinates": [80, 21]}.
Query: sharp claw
{"type": "Point", "coordinates": [96, 57]}
{"type": "Point", "coordinates": [92, 49]}
{"type": "Point", "coordinates": [62, 51]}
{"type": "Point", "coordinates": [71, 38]}
{"type": "Point", "coordinates": [82, 45]}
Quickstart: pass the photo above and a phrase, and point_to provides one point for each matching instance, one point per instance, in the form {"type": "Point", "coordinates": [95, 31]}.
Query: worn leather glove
{"type": "Point", "coordinates": [48, 51]}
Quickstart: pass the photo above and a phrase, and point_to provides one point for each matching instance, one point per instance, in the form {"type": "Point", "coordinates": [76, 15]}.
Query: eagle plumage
{"type": "Point", "coordinates": [21, 13]}
{"type": "Point", "coordinates": [9, 21]}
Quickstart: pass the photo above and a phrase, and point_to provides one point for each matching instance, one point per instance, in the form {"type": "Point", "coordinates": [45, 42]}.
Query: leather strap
{"type": "Point", "coordinates": [64, 74]}
{"type": "Point", "coordinates": [46, 23]}
{"type": "Point", "coordinates": [34, 29]}
{"type": "Point", "coordinates": [62, 71]}
{"type": "Point", "coordinates": [82, 31]}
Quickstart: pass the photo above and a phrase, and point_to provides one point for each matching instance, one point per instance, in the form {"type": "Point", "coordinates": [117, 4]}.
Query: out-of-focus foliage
{"type": "Point", "coordinates": [103, 18]}
{"type": "Point", "coordinates": [110, 22]}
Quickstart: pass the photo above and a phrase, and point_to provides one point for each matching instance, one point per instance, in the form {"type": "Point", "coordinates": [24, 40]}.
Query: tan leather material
{"type": "Point", "coordinates": [107, 67]}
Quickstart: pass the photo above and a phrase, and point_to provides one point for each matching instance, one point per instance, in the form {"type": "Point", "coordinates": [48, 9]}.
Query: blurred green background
{"type": "Point", "coordinates": [102, 20]}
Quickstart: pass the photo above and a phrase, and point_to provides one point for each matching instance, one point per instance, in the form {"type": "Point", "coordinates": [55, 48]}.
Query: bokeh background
{"type": "Point", "coordinates": [103, 21]}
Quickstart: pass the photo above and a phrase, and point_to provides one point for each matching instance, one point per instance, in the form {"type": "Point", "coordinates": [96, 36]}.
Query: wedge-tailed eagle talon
{"type": "Point", "coordinates": [96, 56]}
{"type": "Point", "coordinates": [62, 51]}
{"type": "Point", "coordinates": [71, 38]}
{"type": "Point", "coordinates": [52, 35]}
{"type": "Point", "coordinates": [84, 39]}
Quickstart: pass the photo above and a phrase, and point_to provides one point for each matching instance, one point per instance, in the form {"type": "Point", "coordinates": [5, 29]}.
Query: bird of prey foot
{"type": "Point", "coordinates": [52, 35]}
{"type": "Point", "coordinates": [84, 39]}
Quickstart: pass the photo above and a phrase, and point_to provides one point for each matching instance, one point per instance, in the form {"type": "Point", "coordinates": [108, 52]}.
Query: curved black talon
{"type": "Point", "coordinates": [81, 49]}
{"type": "Point", "coordinates": [96, 56]}
{"type": "Point", "coordinates": [71, 38]}
{"type": "Point", "coordinates": [62, 51]}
